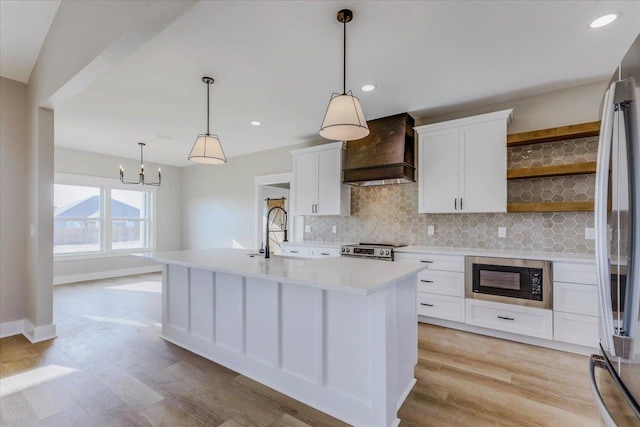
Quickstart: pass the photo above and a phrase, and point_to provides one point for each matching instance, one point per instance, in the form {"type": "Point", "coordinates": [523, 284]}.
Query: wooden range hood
{"type": "Point", "coordinates": [385, 156]}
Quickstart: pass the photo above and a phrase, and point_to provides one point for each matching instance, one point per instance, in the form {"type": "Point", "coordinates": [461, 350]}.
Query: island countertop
{"type": "Point", "coordinates": [348, 275]}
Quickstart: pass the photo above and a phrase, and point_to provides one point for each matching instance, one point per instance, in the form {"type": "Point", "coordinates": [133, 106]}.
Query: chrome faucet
{"type": "Point", "coordinates": [266, 249]}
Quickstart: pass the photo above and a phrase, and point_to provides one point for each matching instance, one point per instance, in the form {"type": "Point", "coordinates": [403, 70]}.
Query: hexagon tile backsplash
{"type": "Point", "coordinates": [389, 214]}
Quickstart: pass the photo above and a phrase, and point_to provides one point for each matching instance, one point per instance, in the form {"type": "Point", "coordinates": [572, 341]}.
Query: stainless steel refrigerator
{"type": "Point", "coordinates": [615, 372]}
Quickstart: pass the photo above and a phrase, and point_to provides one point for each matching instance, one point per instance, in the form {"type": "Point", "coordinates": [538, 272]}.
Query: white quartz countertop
{"type": "Point", "coordinates": [544, 256]}
{"type": "Point", "coordinates": [342, 274]}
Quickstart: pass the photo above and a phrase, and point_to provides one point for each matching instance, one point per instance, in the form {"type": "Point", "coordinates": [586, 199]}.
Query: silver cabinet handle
{"type": "Point", "coordinates": [455, 203]}
{"type": "Point", "coordinates": [460, 203]}
{"type": "Point", "coordinates": [428, 305]}
{"type": "Point", "coordinates": [597, 361]}
{"type": "Point", "coordinates": [426, 261]}
{"type": "Point", "coordinates": [294, 252]}
{"type": "Point", "coordinates": [506, 318]}
{"type": "Point", "coordinates": [426, 281]}
{"type": "Point", "coordinates": [325, 253]}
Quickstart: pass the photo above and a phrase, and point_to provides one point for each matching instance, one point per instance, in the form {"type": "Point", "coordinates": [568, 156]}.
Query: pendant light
{"type": "Point", "coordinates": [207, 148]}
{"type": "Point", "coordinates": [141, 174]}
{"type": "Point", "coordinates": [344, 119]}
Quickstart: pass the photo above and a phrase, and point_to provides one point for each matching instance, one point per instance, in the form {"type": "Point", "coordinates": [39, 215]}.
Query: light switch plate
{"type": "Point", "coordinates": [334, 229]}
{"type": "Point", "coordinates": [307, 229]}
{"type": "Point", "coordinates": [589, 233]}
{"type": "Point", "coordinates": [502, 232]}
{"type": "Point", "coordinates": [431, 230]}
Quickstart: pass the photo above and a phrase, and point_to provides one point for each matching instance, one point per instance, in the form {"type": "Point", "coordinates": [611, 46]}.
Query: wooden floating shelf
{"type": "Point", "coordinates": [553, 134]}
{"type": "Point", "coordinates": [553, 170]}
{"type": "Point", "coordinates": [551, 207]}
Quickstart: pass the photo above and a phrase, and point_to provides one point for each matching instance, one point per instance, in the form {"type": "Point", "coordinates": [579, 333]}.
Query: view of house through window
{"type": "Point", "coordinates": [129, 219]}
{"type": "Point", "coordinates": [77, 219]}
{"type": "Point", "coordinates": [83, 224]}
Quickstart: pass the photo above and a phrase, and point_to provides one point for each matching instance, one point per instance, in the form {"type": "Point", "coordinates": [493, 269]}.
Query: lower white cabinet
{"type": "Point", "coordinates": [324, 252]}
{"type": "Point", "coordinates": [575, 298]}
{"type": "Point", "coordinates": [301, 251]}
{"type": "Point", "coordinates": [535, 322]}
{"type": "Point", "coordinates": [441, 306]}
{"type": "Point", "coordinates": [576, 329]}
{"type": "Point", "coordinates": [441, 282]}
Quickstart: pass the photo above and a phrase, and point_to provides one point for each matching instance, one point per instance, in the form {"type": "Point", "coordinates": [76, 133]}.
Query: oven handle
{"type": "Point", "coordinates": [597, 361]}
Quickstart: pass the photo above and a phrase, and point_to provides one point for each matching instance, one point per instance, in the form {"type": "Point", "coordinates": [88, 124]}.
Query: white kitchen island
{"type": "Point", "coordinates": [337, 334]}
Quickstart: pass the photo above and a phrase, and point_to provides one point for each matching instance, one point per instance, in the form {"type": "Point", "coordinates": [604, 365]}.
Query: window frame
{"type": "Point", "coordinates": [106, 185]}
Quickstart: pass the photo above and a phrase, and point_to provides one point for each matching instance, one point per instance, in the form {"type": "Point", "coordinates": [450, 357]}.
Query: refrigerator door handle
{"type": "Point", "coordinates": [597, 361]}
{"type": "Point", "coordinates": [600, 220]}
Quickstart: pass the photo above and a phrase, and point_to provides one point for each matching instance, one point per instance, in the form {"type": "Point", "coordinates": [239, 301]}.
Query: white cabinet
{"type": "Point", "coordinates": [301, 251]}
{"type": "Point", "coordinates": [534, 322]}
{"type": "Point", "coordinates": [441, 286]}
{"type": "Point", "coordinates": [317, 177]}
{"type": "Point", "coordinates": [576, 307]}
{"type": "Point", "coordinates": [463, 164]}
{"type": "Point", "coordinates": [309, 251]}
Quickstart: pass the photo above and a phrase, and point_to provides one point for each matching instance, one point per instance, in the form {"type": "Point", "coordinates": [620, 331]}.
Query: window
{"type": "Point", "coordinates": [130, 219]}
{"type": "Point", "coordinates": [100, 218]}
{"type": "Point", "coordinates": [74, 208]}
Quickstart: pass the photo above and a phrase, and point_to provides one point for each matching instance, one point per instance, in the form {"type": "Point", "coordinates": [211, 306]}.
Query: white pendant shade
{"type": "Point", "coordinates": [207, 150]}
{"type": "Point", "coordinates": [344, 119]}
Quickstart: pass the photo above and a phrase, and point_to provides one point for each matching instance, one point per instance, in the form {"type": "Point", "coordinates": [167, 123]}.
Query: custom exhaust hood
{"type": "Point", "coordinates": [385, 156]}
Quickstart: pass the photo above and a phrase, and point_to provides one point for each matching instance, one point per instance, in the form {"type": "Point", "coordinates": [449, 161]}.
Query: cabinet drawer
{"type": "Point", "coordinates": [441, 282]}
{"type": "Point", "coordinates": [434, 262]}
{"type": "Point", "coordinates": [325, 252]}
{"type": "Point", "coordinates": [530, 321]}
{"type": "Point", "coordinates": [301, 251]}
{"type": "Point", "coordinates": [575, 329]}
{"type": "Point", "coordinates": [575, 273]}
{"type": "Point", "coordinates": [575, 298]}
{"type": "Point", "coordinates": [441, 306]}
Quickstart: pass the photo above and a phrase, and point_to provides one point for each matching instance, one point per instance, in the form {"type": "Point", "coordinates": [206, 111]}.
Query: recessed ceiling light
{"type": "Point", "coordinates": [368, 87]}
{"type": "Point", "coordinates": [604, 20]}
{"type": "Point", "coordinates": [255, 123]}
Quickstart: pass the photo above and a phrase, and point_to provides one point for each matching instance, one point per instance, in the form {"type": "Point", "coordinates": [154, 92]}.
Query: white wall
{"type": "Point", "coordinates": [13, 199]}
{"type": "Point", "coordinates": [168, 202]}
{"type": "Point", "coordinates": [575, 105]}
{"type": "Point", "coordinates": [218, 201]}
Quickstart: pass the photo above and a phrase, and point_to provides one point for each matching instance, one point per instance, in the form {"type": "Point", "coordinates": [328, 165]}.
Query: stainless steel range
{"type": "Point", "coordinates": [369, 250]}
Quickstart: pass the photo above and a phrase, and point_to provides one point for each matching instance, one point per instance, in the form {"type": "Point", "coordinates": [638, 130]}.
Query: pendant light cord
{"type": "Point", "coordinates": [344, 58]}
{"type": "Point", "coordinates": [208, 90]}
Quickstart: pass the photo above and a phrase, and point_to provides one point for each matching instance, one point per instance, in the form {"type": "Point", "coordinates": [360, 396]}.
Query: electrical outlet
{"type": "Point", "coordinates": [431, 230]}
{"type": "Point", "coordinates": [590, 233]}
{"type": "Point", "coordinates": [334, 229]}
{"type": "Point", "coordinates": [307, 229]}
{"type": "Point", "coordinates": [502, 232]}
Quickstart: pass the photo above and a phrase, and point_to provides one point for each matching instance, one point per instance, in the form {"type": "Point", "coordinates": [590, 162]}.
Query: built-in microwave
{"type": "Point", "coordinates": [512, 281]}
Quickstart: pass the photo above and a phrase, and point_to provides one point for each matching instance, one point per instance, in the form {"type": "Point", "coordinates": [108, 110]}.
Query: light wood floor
{"type": "Point", "coordinates": [108, 367]}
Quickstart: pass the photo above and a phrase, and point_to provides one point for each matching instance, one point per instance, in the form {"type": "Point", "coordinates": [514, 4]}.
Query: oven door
{"type": "Point", "coordinates": [508, 281]}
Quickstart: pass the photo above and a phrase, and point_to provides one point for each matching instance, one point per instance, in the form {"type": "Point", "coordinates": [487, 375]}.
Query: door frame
{"type": "Point", "coordinates": [259, 182]}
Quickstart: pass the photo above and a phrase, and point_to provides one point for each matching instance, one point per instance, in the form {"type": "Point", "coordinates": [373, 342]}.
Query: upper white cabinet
{"type": "Point", "coordinates": [317, 178]}
{"type": "Point", "coordinates": [463, 164]}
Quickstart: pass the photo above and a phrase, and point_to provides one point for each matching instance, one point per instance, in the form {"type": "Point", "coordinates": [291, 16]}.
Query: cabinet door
{"type": "Point", "coordinates": [439, 170]}
{"type": "Point", "coordinates": [306, 182]}
{"type": "Point", "coordinates": [329, 182]}
{"type": "Point", "coordinates": [483, 168]}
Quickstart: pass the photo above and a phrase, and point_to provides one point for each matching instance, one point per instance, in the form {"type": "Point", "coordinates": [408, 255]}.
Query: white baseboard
{"type": "Point", "coordinates": [8, 329]}
{"type": "Point", "coordinates": [39, 333]}
{"type": "Point", "coordinates": [59, 280]}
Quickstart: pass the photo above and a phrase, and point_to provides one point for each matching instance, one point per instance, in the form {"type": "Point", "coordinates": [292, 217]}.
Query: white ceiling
{"type": "Point", "coordinates": [279, 61]}
{"type": "Point", "coordinates": [23, 26]}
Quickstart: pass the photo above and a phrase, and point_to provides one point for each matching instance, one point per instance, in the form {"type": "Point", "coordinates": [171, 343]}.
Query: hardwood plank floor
{"type": "Point", "coordinates": [108, 367]}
